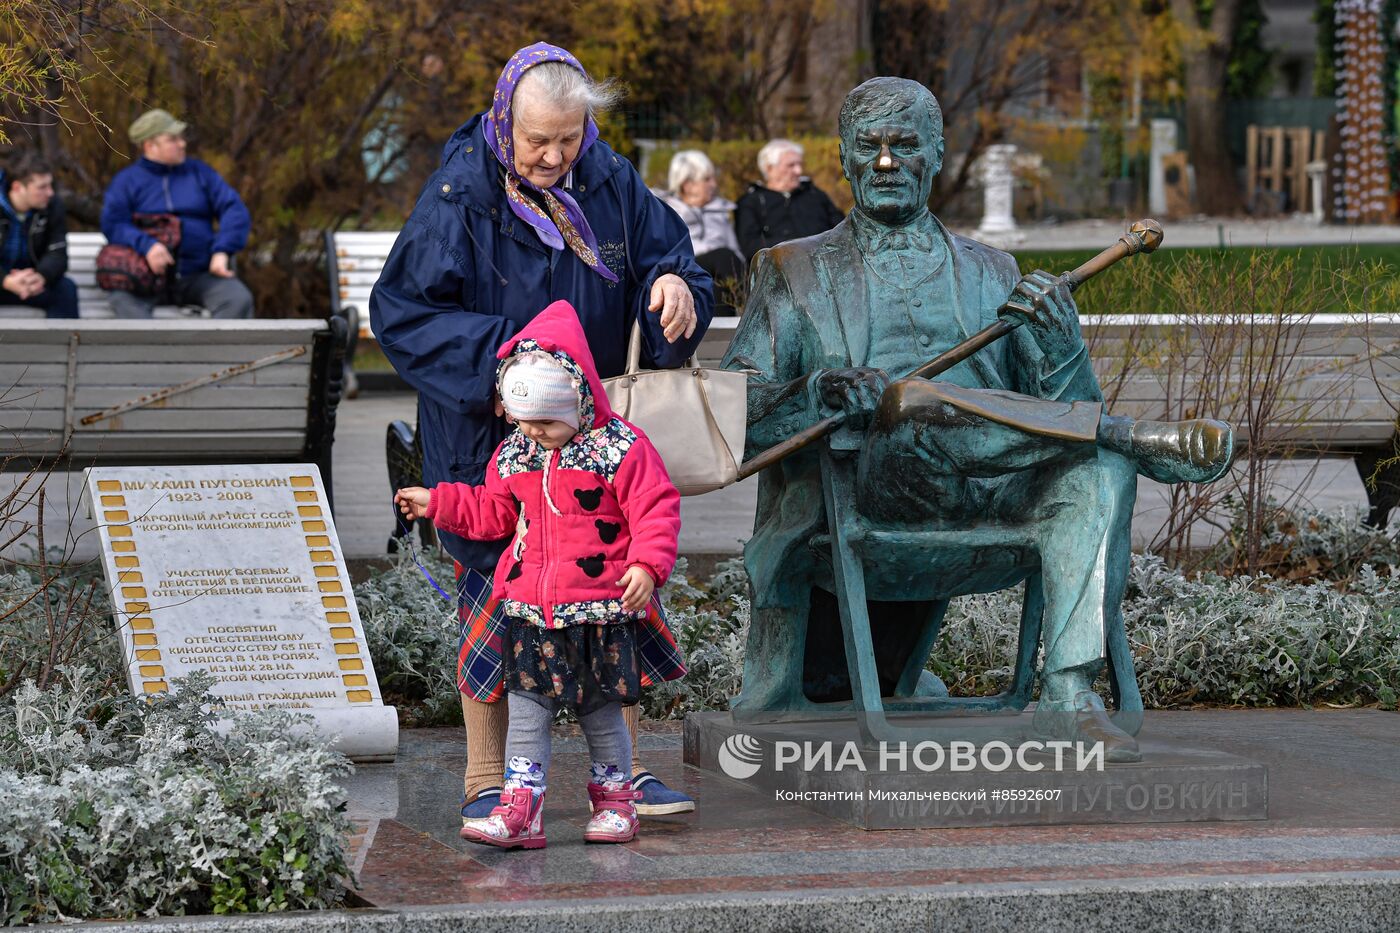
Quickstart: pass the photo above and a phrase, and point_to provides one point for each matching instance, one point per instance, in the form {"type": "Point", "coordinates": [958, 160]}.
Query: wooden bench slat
{"type": "Point", "coordinates": [189, 421]}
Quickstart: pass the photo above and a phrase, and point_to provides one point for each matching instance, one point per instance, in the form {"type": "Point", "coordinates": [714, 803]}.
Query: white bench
{"type": "Point", "coordinates": [79, 393]}
{"type": "Point", "coordinates": [92, 301]}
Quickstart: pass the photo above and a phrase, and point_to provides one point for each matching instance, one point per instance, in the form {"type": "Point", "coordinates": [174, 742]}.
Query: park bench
{"type": "Point", "coordinates": [1336, 379]}
{"type": "Point", "coordinates": [92, 301]}
{"type": "Point", "coordinates": [75, 394]}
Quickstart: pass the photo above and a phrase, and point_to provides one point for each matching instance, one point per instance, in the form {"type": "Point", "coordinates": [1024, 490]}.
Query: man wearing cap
{"type": "Point", "coordinates": [213, 222]}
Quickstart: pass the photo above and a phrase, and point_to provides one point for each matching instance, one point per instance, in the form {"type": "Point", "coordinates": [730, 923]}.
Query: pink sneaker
{"type": "Point", "coordinates": [614, 813]}
{"type": "Point", "coordinates": [518, 823]}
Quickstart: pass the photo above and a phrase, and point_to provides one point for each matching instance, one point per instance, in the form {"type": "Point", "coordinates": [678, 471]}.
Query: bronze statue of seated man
{"type": "Point", "coordinates": [1014, 436]}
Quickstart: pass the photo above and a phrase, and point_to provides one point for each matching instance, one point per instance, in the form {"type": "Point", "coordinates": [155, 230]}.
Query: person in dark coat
{"type": "Point", "coordinates": [528, 207]}
{"type": "Point", "coordinates": [34, 240]}
{"type": "Point", "coordinates": [785, 205]}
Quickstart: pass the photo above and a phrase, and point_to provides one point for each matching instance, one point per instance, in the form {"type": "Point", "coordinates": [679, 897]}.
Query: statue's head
{"type": "Point", "coordinates": [891, 147]}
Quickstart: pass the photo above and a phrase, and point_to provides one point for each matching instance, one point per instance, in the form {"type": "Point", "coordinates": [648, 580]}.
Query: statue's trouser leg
{"type": "Point", "coordinates": [773, 655]}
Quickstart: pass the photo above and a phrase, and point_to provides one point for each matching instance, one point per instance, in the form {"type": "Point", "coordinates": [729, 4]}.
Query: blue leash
{"type": "Point", "coordinates": [407, 537]}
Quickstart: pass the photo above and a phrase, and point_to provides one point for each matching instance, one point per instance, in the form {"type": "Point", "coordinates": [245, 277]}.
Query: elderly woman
{"type": "Point", "coordinates": [529, 206]}
{"type": "Point", "coordinates": [785, 205]}
{"type": "Point", "coordinates": [690, 193]}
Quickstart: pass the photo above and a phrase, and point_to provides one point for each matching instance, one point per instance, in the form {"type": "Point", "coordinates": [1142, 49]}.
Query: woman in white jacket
{"type": "Point", "coordinates": [691, 194]}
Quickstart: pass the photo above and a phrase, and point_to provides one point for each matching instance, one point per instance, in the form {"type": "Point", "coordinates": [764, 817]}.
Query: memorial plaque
{"type": "Point", "coordinates": [237, 570]}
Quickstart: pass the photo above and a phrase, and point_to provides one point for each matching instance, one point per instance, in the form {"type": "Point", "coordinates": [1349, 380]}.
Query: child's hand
{"type": "Point", "coordinates": [413, 501]}
{"type": "Point", "coordinates": [639, 585]}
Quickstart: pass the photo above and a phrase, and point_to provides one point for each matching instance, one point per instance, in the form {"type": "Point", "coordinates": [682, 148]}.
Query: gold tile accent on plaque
{"type": "Point", "coordinates": [130, 576]}
{"type": "Point", "coordinates": [321, 557]}
{"type": "Point", "coordinates": [114, 500]}
{"type": "Point", "coordinates": [326, 570]}
{"type": "Point", "coordinates": [148, 654]}
{"type": "Point", "coordinates": [309, 511]}
{"type": "Point", "coordinates": [118, 531]}
{"type": "Point", "coordinates": [333, 602]}
{"type": "Point", "coordinates": [141, 623]}
{"type": "Point", "coordinates": [152, 670]}
{"type": "Point", "coordinates": [355, 680]}
{"type": "Point", "coordinates": [359, 696]}
{"type": "Point", "coordinates": [109, 485]}
{"type": "Point", "coordinates": [338, 618]}
{"type": "Point", "coordinates": [155, 686]}
{"type": "Point", "coordinates": [308, 495]}
{"type": "Point", "coordinates": [347, 647]}
{"type": "Point", "coordinates": [134, 592]}
{"type": "Point", "coordinates": [135, 609]}
{"type": "Point", "coordinates": [145, 641]}
{"type": "Point", "coordinates": [128, 562]}
{"type": "Point", "coordinates": [351, 664]}
{"type": "Point", "coordinates": [342, 632]}
{"type": "Point", "coordinates": [124, 546]}
{"type": "Point", "coordinates": [303, 481]}
{"type": "Point", "coordinates": [313, 526]}
{"type": "Point", "coordinates": [330, 586]}
{"type": "Point", "coordinates": [117, 515]}
{"type": "Point", "coordinates": [318, 541]}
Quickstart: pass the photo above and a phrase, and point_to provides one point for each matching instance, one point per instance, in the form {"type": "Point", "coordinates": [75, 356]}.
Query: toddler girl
{"type": "Point", "coordinates": [595, 519]}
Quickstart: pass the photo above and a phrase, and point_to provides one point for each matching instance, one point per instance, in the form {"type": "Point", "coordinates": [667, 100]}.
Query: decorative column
{"type": "Point", "coordinates": [1361, 171]}
{"type": "Point", "coordinates": [1163, 142]}
{"type": "Point", "coordinates": [998, 225]}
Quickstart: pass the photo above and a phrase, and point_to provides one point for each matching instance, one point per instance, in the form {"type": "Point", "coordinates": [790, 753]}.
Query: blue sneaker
{"type": "Point", "coordinates": [486, 801]}
{"type": "Point", "coordinates": [657, 799]}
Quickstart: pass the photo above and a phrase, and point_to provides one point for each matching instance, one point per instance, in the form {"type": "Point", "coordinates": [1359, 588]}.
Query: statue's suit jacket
{"type": "Point", "coordinates": [810, 309]}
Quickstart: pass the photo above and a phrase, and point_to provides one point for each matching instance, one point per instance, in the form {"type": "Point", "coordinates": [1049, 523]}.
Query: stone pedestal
{"type": "Point", "coordinates": [998, 226]}
{"type": "Point", "coordinates": [1163, 143]}
{"type": "Point", "coordinates": [823, 765]}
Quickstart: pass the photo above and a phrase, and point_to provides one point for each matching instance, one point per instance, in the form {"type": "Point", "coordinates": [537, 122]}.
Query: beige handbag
{"type": "Point", "coordinates": [695, 417]}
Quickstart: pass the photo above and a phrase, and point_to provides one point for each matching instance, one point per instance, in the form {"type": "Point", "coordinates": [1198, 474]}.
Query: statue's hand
{"type": "Point", "coordinates": [854, 392]}
{"type": "Point", "coordinates": [1043, 303]}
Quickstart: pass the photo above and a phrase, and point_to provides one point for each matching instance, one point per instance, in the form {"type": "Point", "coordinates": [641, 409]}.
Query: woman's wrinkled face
{"type": "Point", "coordinates": [699, 191]}
{"type": "Point", "coordinates": [546, 138]}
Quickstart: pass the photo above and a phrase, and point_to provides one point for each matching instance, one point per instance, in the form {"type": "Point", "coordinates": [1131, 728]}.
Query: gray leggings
{"type": "Point", "coordinates": [527, 736]}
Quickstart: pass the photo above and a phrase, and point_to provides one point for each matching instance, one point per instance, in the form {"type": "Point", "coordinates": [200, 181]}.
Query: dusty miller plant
{"type": "Point", "coordinates": [112, 806]}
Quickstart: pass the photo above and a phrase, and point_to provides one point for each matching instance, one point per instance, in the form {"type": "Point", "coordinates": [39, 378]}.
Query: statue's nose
{"type": "Point", "coordinates": [885, 162]}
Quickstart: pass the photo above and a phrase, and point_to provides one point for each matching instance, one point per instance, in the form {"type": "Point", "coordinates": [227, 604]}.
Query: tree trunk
{"type": "Point", "coordinates": [1205, 57]}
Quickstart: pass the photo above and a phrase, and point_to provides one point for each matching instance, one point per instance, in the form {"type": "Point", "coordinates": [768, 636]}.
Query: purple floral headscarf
{"type": "Point", "coordinates": [561, 221]}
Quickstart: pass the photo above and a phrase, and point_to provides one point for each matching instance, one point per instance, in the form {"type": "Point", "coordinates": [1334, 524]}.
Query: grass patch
{"type": "Point", "coordinates": [1345, 279]}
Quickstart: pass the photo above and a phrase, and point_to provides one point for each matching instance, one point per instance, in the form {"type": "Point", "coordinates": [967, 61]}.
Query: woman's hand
{"type": "Point", "coordinates": [638, 586]}
{"type": "Point", "coordinates": [672, 296]}
{"type": "Point", "coordinates": [413, 501]}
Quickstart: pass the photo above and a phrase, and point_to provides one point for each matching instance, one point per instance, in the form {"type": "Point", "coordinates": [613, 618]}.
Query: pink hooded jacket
{"type": "Point", "coordinates": [591, 509]}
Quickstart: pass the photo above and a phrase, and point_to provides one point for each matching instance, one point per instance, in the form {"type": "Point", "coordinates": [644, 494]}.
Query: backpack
{"type": "Point", "coordinates": [122, 269]}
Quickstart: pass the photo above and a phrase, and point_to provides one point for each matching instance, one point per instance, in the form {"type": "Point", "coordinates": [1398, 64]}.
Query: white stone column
{"type": "Point", "coordinates": [1163, 142]}
{"type": "Point", "coordinates": [1316, 173]}
{"type": "Point", "coordinates": [998, 225]}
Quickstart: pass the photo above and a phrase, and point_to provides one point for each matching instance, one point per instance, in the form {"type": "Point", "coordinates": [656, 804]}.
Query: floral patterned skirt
{"type": "Point", "coordinates": [582, 667]}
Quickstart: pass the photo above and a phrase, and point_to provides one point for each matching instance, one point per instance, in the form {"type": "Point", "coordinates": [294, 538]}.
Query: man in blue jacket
{"type": "Point", "coordinates": [34, 240]}
{"type": "Point", "coordinates": [213, 222]}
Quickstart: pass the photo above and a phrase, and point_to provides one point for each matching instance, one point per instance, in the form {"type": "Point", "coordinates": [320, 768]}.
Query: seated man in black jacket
{"type": "Point", "coordinates": [34, 240]}
{"type": "Point", "coordinates": [785, 205]}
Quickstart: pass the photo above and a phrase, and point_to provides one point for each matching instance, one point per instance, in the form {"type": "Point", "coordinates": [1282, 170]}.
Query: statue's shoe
{"type": "Point", "coordinates": [1084, 719]}
{"type": "Point", "coordinates": [1197, 451]}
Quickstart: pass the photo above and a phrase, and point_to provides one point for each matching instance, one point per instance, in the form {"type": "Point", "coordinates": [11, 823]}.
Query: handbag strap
{"type": "Point", "coordinates": [634, 351]}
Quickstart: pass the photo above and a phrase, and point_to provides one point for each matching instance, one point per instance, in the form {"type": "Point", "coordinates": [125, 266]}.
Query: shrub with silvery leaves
{"type": "Point", "coordinates": [112, 806]}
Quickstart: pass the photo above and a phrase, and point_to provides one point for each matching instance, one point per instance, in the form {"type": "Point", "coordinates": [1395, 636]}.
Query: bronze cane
{"type": "Point", "coordinates": [1143, 237]}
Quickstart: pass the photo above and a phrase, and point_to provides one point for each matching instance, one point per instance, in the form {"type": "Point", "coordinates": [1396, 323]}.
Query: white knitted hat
{"type": "Point", "coordinates": [534, 387]}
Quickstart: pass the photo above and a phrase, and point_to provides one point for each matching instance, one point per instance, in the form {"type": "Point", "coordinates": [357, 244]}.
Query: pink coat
{"type": "Point", "coordinates": [591, 509]}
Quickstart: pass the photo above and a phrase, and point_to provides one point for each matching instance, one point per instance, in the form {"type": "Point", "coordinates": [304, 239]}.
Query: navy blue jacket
{"type": "Point", "coordinates": [465, 274]}
{"type": "Point", "coordinates": [195, 193]}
